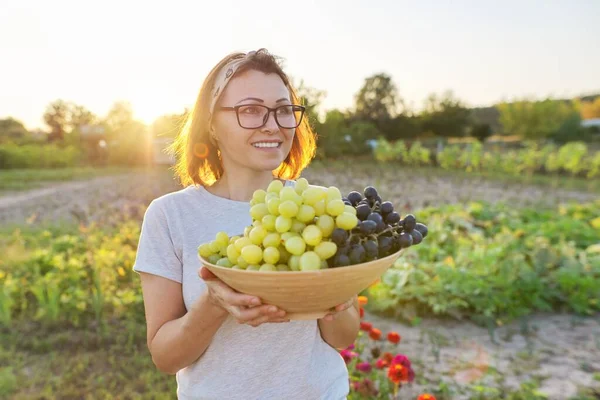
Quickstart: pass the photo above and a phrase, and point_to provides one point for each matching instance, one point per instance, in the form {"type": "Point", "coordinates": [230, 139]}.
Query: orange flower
{"type": "Point", "coordinates": [394, 337]}
{"type": "Point", "coordinates": [397, 373]}
{"type": "Point", "coordinates": [362, 300]}
{"type": "Point", "coordinates": [426, 396]}
{"type": "Point", "coordinates": [388, 357]}
{"type": "Point", "coordinates": [375, 334]}
{"type": "Point", "coordinates": [381, 363]}
{"type": "Point", "coordinates": [362, 312]}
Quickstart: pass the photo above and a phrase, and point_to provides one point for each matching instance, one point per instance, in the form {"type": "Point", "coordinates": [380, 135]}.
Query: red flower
{"type": "Point", "coordinates": [388, 357]}
{"type": "Point", "coordinates": [375, 334]}
{"type": "Point", "coordinates": [394, 337]}
{"type": "Point", "coordinates": [400, 370]}
{"type": "Point", "coordinates": [381, 363]}
{"type": "Point", "coordinates": [363, 366]}
{"type": "Point", "coordinates": [366, 326]}
{"type": "Point", "coordinates": [362, 312]}
{"type": "Point", "coordinates": [426, 396]}
{"type": "Point", "coordinates": [348, 355]}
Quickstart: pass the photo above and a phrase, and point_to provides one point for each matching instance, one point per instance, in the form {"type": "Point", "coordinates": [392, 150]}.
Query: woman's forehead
{"type": "Point", "coordinates": [268, 87]}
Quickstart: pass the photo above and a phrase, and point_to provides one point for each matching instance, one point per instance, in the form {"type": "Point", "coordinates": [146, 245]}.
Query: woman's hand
{"type": "Point", "coordinates": [246, 309]}
{"type": "Point", "coordinates": [335, 311]}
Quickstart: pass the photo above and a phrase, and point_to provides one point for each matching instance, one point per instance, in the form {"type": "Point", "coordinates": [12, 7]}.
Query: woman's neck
{"type": "Point", "coordinates": [241, 185]}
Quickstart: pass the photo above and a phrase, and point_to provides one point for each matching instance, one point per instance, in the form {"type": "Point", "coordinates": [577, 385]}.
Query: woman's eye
{"type": "Point", "coordinates": [249, 110]}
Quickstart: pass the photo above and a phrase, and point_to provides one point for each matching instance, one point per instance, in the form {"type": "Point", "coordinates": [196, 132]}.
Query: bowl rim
{"type": "Point", "coordinates": [366, 264]}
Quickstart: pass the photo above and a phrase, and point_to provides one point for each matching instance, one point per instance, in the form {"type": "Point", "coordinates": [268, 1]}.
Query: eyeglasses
{"type": "Point", "coordinates": [254, 116]}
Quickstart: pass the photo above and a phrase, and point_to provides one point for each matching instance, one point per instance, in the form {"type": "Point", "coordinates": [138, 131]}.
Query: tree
{"type": "Point", "coordinates": [312, 99]}
{"type": "Point", "coordinates": [12, 130]}
{"type": "Point", "coordinates": [129, 142]}
{"type": "Point", "coordinates": [378, 99]}
{"type": "Point", "coordinates": [56, 117]}
{"type": "Point", "coordinates": [445, 116]}
{"type": "Point", "coordinates": [590, 109]}
{"type": "Point", "coordinates": [168, 125]}
{"type": "Point", "coordinates": [481, 131]}
{"type": "Point", "coordinates": [535, 119]}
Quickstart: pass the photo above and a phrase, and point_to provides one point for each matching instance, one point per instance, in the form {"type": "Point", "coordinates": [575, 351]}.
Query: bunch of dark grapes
{"type": "Point", "coordinates": [380, 231]}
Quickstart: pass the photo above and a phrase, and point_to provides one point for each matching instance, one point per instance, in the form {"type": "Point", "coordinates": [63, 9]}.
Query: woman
{"type": "Point", "coordinates": [246, 129]}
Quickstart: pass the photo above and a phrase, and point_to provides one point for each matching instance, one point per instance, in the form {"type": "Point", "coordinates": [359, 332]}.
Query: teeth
{"type": "Point", "coordinates": [263, 144]}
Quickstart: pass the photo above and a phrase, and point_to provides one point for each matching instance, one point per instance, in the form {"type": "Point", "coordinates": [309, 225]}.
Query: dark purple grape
{"type": "Point", "coordinates": [409, 222]}
{"type": "Point", "coordinates": [347, 202]}
{"type": "Point", "coordinates": [371, 249]}
{"type": "Point", "coordinates": [343, 249]}
{"type": "Point", "coordinates": [357, 254]}
{"type": "Point", "coordinates": [368, 227]}
{"type": "Point", "coordinates": [387, 228]}
{"type": "Point", "coordinates": [405, 240]}
{"type": "Point", "coordinates": [387, 207]}
{"type": "Point", "coordinates": [380, 227]}
{"type": "Point", "coordinates": [375, 217]}
{"type": "Point", "coordinates": [341, 260]}
{"type": "Point", "coordinates": [339, 236]}
{"type": "Point", "coordinates": [416, 236]}
{"type": "Point", "coordinates": [385, 246]}
{"type": "Point", "coordinates": [422, 229]}
{"type": "Point", "coordinates": [370, 192]}
{"type": "Point", "coordinates": [378, 199]}
{"type": "Point", "coordinates": [392, 218]}
{"type": "Point", "coordinates": [363, 201]}
{"type": "Point", "coordinates": [354, 197]}
{"type": "Point", "coordinates": [363, 211]}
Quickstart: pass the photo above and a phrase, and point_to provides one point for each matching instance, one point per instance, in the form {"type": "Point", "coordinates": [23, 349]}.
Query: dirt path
{"type": "Point", "coordinates": [560, 352]}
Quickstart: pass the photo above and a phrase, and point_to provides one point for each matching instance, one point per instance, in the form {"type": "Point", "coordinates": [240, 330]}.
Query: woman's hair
{"type": "Point", "coordinates": [197, 158]}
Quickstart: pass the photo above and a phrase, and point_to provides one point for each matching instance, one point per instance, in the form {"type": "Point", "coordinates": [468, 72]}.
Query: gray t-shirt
{"type": "Point", "coordinates": [272, 361]}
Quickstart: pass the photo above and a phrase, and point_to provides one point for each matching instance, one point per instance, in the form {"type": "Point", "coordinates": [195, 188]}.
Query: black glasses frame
{"type": "Point", "coordinates": [296, 108]}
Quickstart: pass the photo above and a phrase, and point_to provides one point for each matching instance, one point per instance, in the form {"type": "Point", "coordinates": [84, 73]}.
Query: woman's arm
{"type": "Point", "coordinates": [341, 332]}
{"type": "Point", "coordinates": [175, 338]}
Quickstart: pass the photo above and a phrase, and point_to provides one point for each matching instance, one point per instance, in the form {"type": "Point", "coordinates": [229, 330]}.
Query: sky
{"type": "Point", "coordinates": [156, 56]}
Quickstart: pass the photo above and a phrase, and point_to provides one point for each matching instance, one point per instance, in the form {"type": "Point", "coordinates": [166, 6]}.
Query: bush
{"type": "Point", "coordinates": [37, 156]}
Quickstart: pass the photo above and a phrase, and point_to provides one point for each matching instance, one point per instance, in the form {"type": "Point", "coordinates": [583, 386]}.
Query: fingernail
{"type": "Point", "coordinates": [272, 309]}
{"type": "Point", "coordinates": [255, 302]}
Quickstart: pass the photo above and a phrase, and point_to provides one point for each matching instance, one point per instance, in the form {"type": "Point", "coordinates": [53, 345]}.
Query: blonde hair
{"type": "Point", "coordinates": [197, 158]}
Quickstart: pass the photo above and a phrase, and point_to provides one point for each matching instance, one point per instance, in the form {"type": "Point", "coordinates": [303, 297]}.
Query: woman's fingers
{"type": "Point", "coordinates": [260, 313]}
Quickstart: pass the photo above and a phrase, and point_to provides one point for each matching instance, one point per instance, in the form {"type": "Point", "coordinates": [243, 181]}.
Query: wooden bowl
{"type": "Point", "coordinates": [305, 295]}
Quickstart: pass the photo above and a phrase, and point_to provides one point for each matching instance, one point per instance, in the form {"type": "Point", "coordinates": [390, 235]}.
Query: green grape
{"type": "Point", "coordinates": [324, 264]}
{"type": "Point", "coordinates": [310, 261]}
{"type": "Point", "coordinates": [214, 246]}
{"type": "Point", "coordinates": [326, 250]}
{"type": "Point", "coordinates": [222, 239]}
{"type": "Point", "coordinates": [284, 255]}
{"type": "Point", "coordinates": [273, 206]}
{"type": "Point", "coordinates": [335, 207]}
{"type": "Point", "coordinates": [285, 236]}
{"type": "Point", "coordinates": [271, 255]}
{"type": "Point", "coordinates": [247, 230]}
{"type": "Point", "coordinates": [214, 258]}
{"type": "Point", "coordinates": [312, 235]}
{"type": "Point", "coordinates": [333, 193]}
{"type": "Point", "coordinates": [272, 239]}
{"type": "Point", "coordinates": [298, 199]}
{"type": "Point", "coordinates": [283, 224]}
{"type": "Point", "coordinates": [268, 222]}
{"type": "Point", "coordinates": [346, 221]}
{"type": "Point", "coordinates": [305, 214]}
{"type": "Point", "coordinates": [350, 209]}
{"type": "Point", "coordinates": [204, 250]}
{"type": "Point", "coordinates": [287, 193]}
{"type": "Point", "coordinates": [258, 211]}
{"type": "Point", "coordinates": [252, 203]}
{"type": "Point", "coordinates": [294, 263]}
{"type": "Point", "coordinates": [271, 196]}
{"type": "Point", "coordinates": [237, 267]}
{"type": "Point", "coordinates": [326, 224]}
{"type": "Point", "coordinates": [301, 185]}
{"type": "Point", "coordinates": [253, 267]}
{"type": "Point", "coordinates": [243, 264]}
{"type": "Point", "coordinates": [241, 243]}
{"type": "Point", "coordinates": [320, 208]}
{"type": "Point", "coordinates": [257, 235]}
{"type": "Point", "coordinates": [275, 186]}
{"type": "Point", "coordinates": [223, 251]}
{"type": "Point", "coordinates": [233, 239]}
{"type": "Point", "coordinates": [259, 196]}
{"type": "Point", "coordinates": [312, 195]}
{"type": "Point", "coordinates": [297, 226]}
{"type": "Point", "coordinates": [224, 262]}
{"type": "Point", "coordinates": [288, 209]}
{"type": "Point", "coordinates": [267, 268]}
{"type": "Point", "coordinates": [252, 254]}
{"type": "Point", "coordinates": [295, 245]}
{"type": "Point", "coordinates": [283, 267]}
{"type": "Point", "coordinates": [256, 223]}
{"type": "Point", "coordinates": [233, 253]}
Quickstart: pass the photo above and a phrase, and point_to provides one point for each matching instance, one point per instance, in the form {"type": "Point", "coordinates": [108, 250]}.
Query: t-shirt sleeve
{"type": "Point", "coordinates": [156, 253]}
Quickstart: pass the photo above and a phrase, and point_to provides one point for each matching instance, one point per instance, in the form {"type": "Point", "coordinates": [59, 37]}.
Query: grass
{"type": "Point", "coordinates": [24, 179]}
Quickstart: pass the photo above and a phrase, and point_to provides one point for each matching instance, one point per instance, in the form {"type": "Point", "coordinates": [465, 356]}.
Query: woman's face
{"type": "Point", "coordinates": [257, 148]}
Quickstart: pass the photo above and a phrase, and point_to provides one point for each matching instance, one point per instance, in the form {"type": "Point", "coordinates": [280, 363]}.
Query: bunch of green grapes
{"type": "Point", "coordinates": [291, 230]}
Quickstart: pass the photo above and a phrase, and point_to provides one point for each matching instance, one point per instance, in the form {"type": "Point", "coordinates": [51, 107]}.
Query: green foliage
{"type": "Point", "coordinates": [495, 263]}
{"type": "Point", "coordinates": [445, 116]}
{"type": "Point", "coordinates": [38, 156]}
